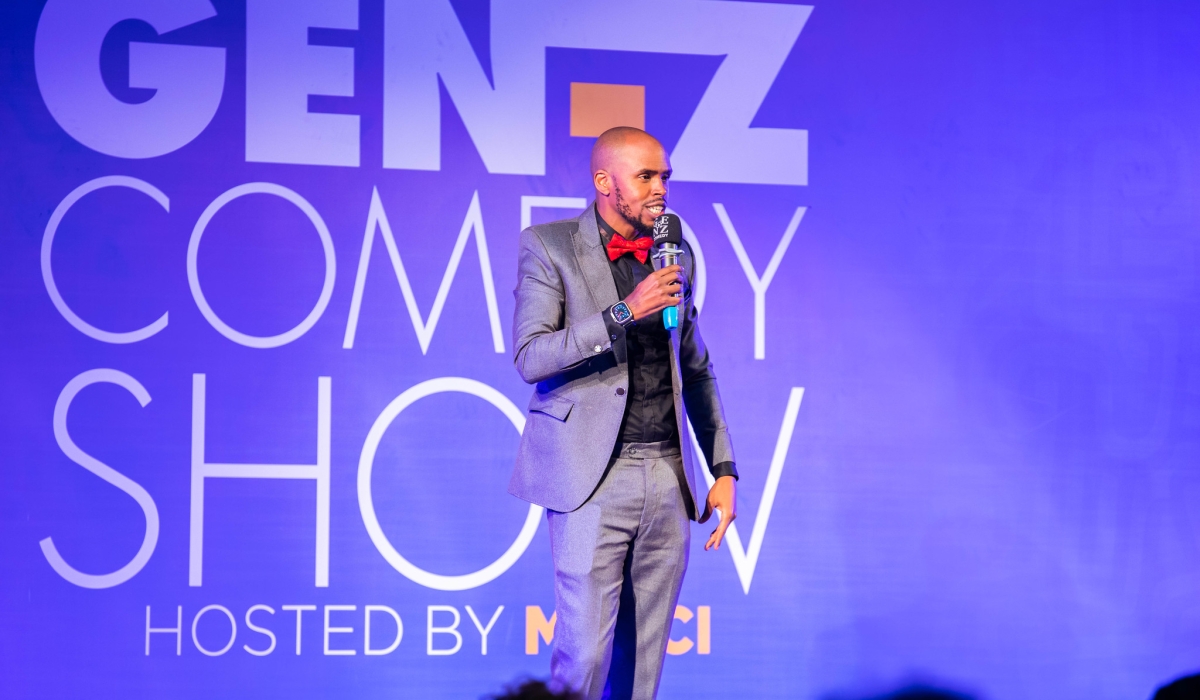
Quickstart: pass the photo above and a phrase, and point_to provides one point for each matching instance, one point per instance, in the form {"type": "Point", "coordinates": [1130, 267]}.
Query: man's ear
{"type": "Point", "coordinates": [602, 182]}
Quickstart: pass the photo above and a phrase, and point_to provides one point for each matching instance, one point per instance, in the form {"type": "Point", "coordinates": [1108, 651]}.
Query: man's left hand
{"type": "Point", "coordinates": [721, 497]}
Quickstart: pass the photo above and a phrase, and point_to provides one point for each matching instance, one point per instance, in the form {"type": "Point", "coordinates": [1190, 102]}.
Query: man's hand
{"type": "Point", "coordinates": [722, 497]}
{"type": "Point", "coordinates": [659, 290]}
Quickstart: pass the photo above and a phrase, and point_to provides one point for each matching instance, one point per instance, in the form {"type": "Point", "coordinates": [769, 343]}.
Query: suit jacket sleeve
{"type": "Point", "coordinates": [701, 398]}
{"type": "Point", "coordinates": [543, 344]}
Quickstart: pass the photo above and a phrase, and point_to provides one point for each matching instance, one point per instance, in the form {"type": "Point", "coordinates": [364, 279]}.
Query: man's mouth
{"type": "Point", "coordinates": [656, 209]}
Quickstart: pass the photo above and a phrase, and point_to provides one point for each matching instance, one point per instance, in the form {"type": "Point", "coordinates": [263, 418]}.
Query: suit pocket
{"type": "Point", "coordinates": [553, 406]}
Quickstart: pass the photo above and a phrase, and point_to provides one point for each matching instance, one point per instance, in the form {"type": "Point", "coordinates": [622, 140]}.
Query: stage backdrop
{"type": "Point", "coordinates": [259, 410]}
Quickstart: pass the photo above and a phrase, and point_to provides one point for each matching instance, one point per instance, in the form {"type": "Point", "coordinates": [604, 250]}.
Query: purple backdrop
{"type": "Point", "coordinates": [966, 417]}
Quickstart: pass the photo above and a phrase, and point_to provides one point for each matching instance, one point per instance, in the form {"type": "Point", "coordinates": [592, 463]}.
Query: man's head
{"type": "Point", "coordinates": [630, 170]}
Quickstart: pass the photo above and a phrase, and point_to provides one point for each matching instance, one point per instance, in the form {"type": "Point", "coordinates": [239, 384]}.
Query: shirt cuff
{"type": "Point", "coordinates": [615, 330]}
{"type": "Point", "coordinates": [724, 469]}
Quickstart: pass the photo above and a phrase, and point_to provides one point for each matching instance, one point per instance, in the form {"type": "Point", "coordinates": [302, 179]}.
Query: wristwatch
{"type": "Point", "coordinates": [621, 314]}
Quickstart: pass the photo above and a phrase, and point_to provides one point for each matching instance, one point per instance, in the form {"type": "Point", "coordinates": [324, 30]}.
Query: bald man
{"type": "Point", "coordinates": [607, 448]}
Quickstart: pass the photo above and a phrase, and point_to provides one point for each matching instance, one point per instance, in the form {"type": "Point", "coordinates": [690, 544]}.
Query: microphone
{"type": "Point", "coordinates": [668, 235]}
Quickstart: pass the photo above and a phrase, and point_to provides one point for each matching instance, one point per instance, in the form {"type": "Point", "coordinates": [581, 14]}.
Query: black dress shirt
{"type": "Point", "coordinates": [650, 406]}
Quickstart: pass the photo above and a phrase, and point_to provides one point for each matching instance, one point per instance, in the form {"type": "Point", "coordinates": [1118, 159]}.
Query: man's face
{"type": "Point", "coordinates": [640, 183]}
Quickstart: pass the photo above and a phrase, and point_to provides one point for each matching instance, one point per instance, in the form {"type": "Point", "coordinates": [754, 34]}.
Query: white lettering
{"type": "Point", "coordinates": [506, 116]}
{"type": "Point", "coordinates": [282, 70]}
{"type": "Point", "coordinates": [337, 630]}
{"type": "Point", "coordinates": [483, 631]}
{"type": "Point", "coordinates": [746, 560]}
{"type": "Point", "coordinates": [193, 271]}
{"type": "Point", "coordinates": [718, 144]}
{"type": "Point", "coordinates": [299, 610]}
{"type": "Point", "coordinates": [367, 649]}
{"type": "Point", "coordinates": [424, 47]}
{"type": "Point", "coordinates": [377, 218]}
{"type": "Point", "coordinates": [759, 285]}
{"type": "Point", "coordinates": [177, 629]}
{"type": "Point", "coordinates": [107, 473]}
{"type": "Point", "coordinates": [48, 246]}
{"type": "Point", "coordinates": [202, 470]}
{"type": "Point", "coordinates": [452, 629]}
{"type": "Point", "coordinates": [232, 630]}
{"type": "Point", "coordinates": [188, 80]}
{"type": "Point", "coordinates": [263, 630]}
{"type": "Point", "coordinates": [424, 42]}
{"type": "Point", "coordinates": [366, 502]}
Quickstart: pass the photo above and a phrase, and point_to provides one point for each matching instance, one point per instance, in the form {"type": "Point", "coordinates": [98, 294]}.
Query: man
{"type": "Point", "coordinates": [607, 449]}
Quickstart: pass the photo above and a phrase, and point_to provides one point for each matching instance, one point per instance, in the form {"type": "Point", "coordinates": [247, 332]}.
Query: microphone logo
{"type": "Point", "coordinates": [661, 226]}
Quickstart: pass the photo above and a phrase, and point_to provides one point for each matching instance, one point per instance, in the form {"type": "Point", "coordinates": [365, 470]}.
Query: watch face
{"type": "Point", "coordinates": [621, 313]}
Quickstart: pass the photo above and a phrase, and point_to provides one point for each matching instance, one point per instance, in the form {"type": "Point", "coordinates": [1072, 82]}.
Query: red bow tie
{"type": "Point", "coordinates": [618, 245]}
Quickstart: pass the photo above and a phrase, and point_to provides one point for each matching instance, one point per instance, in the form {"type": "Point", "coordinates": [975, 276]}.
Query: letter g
{"type": "Point", "coordinates": [189, 80]}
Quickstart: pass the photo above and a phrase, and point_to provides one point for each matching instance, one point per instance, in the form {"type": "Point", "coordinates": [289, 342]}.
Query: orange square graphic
{"type": "Point", "coordinates": [598, 107]}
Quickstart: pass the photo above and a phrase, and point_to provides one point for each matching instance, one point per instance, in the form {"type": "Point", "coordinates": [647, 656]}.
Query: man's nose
{"type": "Point", "coordinates": [658, 186]}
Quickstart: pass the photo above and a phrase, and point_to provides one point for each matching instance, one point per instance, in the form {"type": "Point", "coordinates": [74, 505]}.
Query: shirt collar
{"type": "Point", "coordinates": [607, 232]}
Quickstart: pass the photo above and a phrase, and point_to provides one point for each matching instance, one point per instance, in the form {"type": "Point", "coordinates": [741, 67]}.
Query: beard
{"type": "Point", "coordinates": [626, 212]}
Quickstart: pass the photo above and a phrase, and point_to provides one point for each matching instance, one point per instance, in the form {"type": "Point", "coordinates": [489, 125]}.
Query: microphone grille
{"type": "Point", "coordinates": [668, 229]}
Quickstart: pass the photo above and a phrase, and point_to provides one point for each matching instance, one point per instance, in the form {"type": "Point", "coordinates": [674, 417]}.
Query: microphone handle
{"type": "Point", "coordinates": [666, 258]}
{"type": "Point", "coordinates": [671, 317]}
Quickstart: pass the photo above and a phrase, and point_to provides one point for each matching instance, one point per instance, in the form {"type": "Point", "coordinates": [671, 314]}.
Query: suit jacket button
{"type": "Point", "coordinates": [597, 348]}
{"type": "Point", "coordinates": [620, 391]}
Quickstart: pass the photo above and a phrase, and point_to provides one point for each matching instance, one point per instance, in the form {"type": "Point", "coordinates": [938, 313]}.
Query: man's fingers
{"type": "Point", "coordinates": [660, 289]}
{"type": "Point", "coordinates": [674, 271]}
{"type": "Point", "coordinates": [720, 533]}
{"type": "Point", "coordinates": [717, 536]}
{"type": "Point", "coordinates": [706, 514]}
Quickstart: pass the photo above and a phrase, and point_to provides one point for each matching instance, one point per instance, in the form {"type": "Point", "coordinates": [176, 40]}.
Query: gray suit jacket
{"type": "Point", "coordinates": [561, 344]}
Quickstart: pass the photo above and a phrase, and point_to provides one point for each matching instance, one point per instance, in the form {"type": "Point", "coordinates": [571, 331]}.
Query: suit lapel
{"type": "Point", "coordinates": [681, 422]}
{"type": "Point", "coordinates": [690, 460]}
{"type": "Point", "coordinates": [592, 261]}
